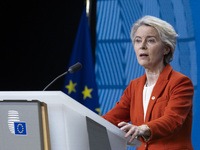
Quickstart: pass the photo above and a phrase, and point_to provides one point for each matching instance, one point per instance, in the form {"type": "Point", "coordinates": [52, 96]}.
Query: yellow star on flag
{"type": "Point", "coordinates": [87, 93]}
{"type": "Point", "coordinates": [99, 111]}
{"type": "Point", "coordinates": [71, 87]}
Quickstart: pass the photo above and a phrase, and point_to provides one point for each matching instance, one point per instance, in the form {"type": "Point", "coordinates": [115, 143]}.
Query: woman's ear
{"type": "Point", "coordinates": [166, 50]}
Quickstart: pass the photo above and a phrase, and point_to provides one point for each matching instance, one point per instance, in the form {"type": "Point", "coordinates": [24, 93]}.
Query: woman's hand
{"type": "Point", "coordinates": [135, 131]}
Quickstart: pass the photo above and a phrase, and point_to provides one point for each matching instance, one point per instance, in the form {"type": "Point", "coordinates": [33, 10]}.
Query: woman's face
{"type": "Point", "coordinates": [149, 48]}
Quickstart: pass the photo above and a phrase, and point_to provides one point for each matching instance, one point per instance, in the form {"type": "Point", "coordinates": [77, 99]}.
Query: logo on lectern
{"type": "Point", "coordinates": [16, 126]}
{"type": "Point", "coordinates": [20, 128]}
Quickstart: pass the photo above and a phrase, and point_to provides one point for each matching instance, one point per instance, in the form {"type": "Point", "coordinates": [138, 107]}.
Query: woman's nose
{"type": "Point", "coordinates": [143, 45]}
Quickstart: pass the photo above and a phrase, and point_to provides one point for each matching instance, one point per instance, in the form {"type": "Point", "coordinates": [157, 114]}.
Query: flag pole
{"type": "Point", "coordinates": [88, 8]}
{"type": "Point", "coordinates": [87, 2]}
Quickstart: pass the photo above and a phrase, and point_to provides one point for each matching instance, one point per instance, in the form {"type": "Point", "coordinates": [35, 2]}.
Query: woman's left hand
{"type": "Point", "coordinates": [134, 131]}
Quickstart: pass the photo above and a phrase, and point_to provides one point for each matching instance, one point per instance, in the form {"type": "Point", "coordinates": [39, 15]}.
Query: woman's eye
{"type": "Point", "coordinates": [137, 40]}
{"type": "Point", "coordinates": [151, 41]}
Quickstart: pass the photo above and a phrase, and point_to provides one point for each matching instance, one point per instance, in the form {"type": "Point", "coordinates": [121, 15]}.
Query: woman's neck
{"type": "Point", "coordinates": [152, 75]}
{"type": "Point", "coordinates": [151, 79]}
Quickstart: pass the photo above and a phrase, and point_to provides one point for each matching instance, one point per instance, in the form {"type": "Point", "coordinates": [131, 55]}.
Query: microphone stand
{"type": "Point", "coordinates": [71, 69]}
{"type": "Point", "coordinates": [55, 80]}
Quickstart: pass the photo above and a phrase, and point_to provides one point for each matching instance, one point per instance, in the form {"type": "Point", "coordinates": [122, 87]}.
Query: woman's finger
{"type": "Point", "coordinates": [122, 124]}
{"type": "Point", "coordinates": [134, 135]}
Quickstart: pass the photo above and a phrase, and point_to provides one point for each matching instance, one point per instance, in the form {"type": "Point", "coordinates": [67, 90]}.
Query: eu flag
{"type": "Point", "coordinates": [81, 85]}
{"type": "Point", "coordinates": [20, 128]}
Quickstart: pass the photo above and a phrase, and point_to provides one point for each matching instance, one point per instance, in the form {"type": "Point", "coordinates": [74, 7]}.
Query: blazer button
{"type": "Point", "coordinates": [153, 97]}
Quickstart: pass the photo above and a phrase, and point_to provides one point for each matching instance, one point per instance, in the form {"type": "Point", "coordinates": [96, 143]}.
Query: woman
{"type": "Point", "coordinates": [159, 103]}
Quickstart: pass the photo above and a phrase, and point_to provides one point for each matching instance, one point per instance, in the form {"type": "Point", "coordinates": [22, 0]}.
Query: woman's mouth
{"type": "Point", "coordinates": [143, 55]}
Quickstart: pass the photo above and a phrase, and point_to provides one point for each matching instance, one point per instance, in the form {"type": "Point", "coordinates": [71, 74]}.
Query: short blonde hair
{"type": "Point", "coordinates": [166, 32]}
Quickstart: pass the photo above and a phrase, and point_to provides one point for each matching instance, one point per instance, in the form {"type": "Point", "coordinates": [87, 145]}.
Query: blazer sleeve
{"type": "Point", "coordinates": [121, 111]}
{"type": "Point", "coordinates": [176, 112]}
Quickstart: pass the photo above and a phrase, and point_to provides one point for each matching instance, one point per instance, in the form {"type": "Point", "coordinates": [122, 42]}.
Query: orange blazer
{"type": "Point", "coordinates": [169, 113]}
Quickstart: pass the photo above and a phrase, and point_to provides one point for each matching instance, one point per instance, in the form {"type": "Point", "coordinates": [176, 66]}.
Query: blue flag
{"type": "Point", "coordinates": [81, 85]}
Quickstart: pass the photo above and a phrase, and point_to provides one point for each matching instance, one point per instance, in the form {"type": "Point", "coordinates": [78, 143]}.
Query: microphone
{"type": "Point", "coordinates": [71, 69]}
{"type": "Point", "coordinates": [75, 67]}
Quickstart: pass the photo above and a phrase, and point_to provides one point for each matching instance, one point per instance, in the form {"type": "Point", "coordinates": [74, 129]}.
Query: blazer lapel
{"type": "Point", "coordinates": [159, 87]}
{"type": "Point", "coordinates": [139, 99]}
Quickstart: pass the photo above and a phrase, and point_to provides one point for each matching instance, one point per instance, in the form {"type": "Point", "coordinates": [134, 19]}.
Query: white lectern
{"type": "Point", "coordinates": [68, 121]}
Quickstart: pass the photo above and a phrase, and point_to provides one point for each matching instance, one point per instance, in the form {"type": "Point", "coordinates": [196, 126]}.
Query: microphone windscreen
{"type": "Point", "coordinates": [75, 67]}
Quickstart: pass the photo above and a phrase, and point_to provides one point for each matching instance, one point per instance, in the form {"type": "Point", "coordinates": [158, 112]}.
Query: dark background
{"type": "Point", "coordinates": [37, 38]}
